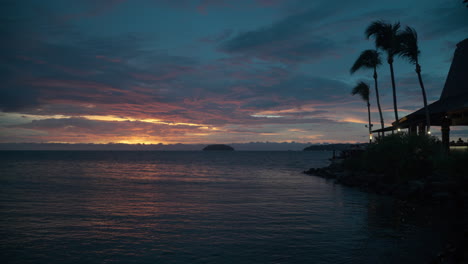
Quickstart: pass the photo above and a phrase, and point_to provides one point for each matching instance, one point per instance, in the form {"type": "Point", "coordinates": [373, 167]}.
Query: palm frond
{"type": "Point", "coordinates": [385, 36]}
{"type": "Point", "coordinates": [375, 28]}
{"type": "Point", "coordinates": [363, 90]}
{"type": "Point", "coordinates": [367, 59]}
{"type": "Point", "coordinates": [409, 45]}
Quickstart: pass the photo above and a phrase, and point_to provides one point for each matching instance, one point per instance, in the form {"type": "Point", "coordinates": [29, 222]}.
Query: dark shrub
{"type": "Point", "coordinates": [400, 157]}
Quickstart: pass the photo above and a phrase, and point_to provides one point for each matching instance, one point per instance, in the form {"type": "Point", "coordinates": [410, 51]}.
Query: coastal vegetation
{"type": "Point", "coordinates": [408, 166]}
{"type": "Point", "coordinates": [400, 157]}
{"type": "Point", "coordinates": [403, 165]}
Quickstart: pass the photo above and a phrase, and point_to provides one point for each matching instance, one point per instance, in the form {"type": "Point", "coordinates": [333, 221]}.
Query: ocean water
{"type": "Point", "coordinates": [201, 207]}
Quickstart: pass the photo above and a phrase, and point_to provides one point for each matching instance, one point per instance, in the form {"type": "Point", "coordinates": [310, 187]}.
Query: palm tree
{"type": "Point", "coordinates": [363, 90]}
{"type": "Point", "coordinates": [370, 59]}
{"type": "Point", "coordinates": [410, 51]}
{"type": "Point", "coordinates": [386, 38]}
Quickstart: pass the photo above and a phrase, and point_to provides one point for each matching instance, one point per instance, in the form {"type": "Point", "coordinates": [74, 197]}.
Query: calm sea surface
{"type": "Point", "coordinates": [200, 207]}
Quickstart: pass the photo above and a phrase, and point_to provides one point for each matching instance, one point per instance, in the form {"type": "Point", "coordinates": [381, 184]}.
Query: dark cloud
{"type": "Point", "coordinates": [218, 37]}
{"type": "Point", "coordinates": [76, 123]}
{"type": "Point", "coordinates": [15, 98]}
{"type": "Point", "coordinates": [298, 37]}
{"type": "Point", "coordinates": [309, 88]}
{"type": "Point", "coordinates": [204, 6]}
{"type": "Point", "coordinates": [288, 40]}
{"type": "Point", "coordinates": [448, 18]}
{"type": "Point", "coordinates": [94, 8]}
{"type": "Point", "coordinates": [37, 70]}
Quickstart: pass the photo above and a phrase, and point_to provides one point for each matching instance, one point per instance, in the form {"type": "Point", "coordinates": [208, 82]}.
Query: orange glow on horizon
{"type": "Point", "coordinates": [135, 130]}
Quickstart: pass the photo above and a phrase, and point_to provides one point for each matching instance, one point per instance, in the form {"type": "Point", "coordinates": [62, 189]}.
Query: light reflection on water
{"type": "Point", "coordinates": [199, 207]}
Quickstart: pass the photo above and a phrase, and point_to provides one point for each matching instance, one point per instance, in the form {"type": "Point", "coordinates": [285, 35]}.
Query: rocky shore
{"type": "Point", "coordinates": [435, 189]}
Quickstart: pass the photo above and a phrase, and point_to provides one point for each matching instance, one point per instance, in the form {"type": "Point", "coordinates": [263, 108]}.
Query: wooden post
{"type": "Point", "coordinates": [445, 128]}
{"type": "Point", "coordinates": [421, 129]}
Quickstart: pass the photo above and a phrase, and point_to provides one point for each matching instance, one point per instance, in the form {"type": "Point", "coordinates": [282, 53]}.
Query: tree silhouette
{"type": "Point", "coordinates": [362, 89]}
{"type": "Point", "coordinates": [386, 38]}
{"type": "Point", "coordinates": [370, 59]}
{"type": "Point", "coordinates": [410, 51]}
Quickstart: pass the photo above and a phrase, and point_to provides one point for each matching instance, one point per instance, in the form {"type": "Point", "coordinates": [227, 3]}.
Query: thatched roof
{"type": "Point", "coordinates": [456, 83]}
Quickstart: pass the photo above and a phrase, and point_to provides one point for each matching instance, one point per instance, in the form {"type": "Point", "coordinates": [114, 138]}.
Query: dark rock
{"type": "Point", "coordinates": [402, 191]}
{"type": "Point", "coordinates": [416, 185]}
{"type": "Point", "coordinates": [441, 196]}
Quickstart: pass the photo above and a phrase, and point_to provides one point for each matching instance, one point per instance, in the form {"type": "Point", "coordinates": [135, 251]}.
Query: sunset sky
{"type": "Point", "coordinates": [208, 71]}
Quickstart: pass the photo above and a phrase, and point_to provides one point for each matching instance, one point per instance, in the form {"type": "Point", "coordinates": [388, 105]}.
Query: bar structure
{"type": "Point", "coordinates": [452, 107]}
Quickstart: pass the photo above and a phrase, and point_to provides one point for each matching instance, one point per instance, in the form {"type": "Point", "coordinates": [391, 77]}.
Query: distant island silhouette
{"type": "Point", "coordinates": [337, 146]}
{"type": "Point", "coordinates": [218, 147]}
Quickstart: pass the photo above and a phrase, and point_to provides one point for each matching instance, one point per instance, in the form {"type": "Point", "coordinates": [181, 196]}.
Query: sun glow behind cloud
{"type": "Point", "coordinates": [146, 120]}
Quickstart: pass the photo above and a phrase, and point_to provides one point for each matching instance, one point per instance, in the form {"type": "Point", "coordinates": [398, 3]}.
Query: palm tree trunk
{"type": "Point", "coordinates": [378, 100]}
{"type": "Point", "coordinates": [370, 125]}
{"type": "Point", "coordinates": [428, 118]}
{"type": "Point", "coordinates": [390, 62]}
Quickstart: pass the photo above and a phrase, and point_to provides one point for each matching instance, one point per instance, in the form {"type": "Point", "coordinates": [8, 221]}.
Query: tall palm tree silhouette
{"type": "Point", "coordinates": [386, 38]}
{"type": "Point", "coordinates": [410, 51]}
{"type": "Point", "coordinates": [362, 89]}
{"type": "Point", "coordinates": [370, 59]}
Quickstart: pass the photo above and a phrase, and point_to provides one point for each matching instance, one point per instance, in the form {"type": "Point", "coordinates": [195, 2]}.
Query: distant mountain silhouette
{"type": "Point", "coordinates": [250, 146]}
{"type": "Point", "coordinates": [218, 147]}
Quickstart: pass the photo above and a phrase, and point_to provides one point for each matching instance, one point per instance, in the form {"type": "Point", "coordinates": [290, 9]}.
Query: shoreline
{"type": "Point", "coordinates": [434, 190]}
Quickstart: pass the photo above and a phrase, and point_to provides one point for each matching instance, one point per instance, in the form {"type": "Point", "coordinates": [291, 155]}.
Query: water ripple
{"type": "Point", "coordinates": [198, 207]}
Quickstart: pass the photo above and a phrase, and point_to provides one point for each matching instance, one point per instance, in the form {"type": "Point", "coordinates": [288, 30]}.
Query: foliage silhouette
{"type": "Point", "coordinates": [399, 157]}
{"type": "Point", "coordinates": [386, 38]}
{"type": "Point", "coordinates": [370, 59]}
{"type": "Point", "coordinates": [410, 50]}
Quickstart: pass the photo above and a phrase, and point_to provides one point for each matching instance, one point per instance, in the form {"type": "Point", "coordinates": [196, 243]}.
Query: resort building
{"type": "Point", "coordinates": [452, 107]}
